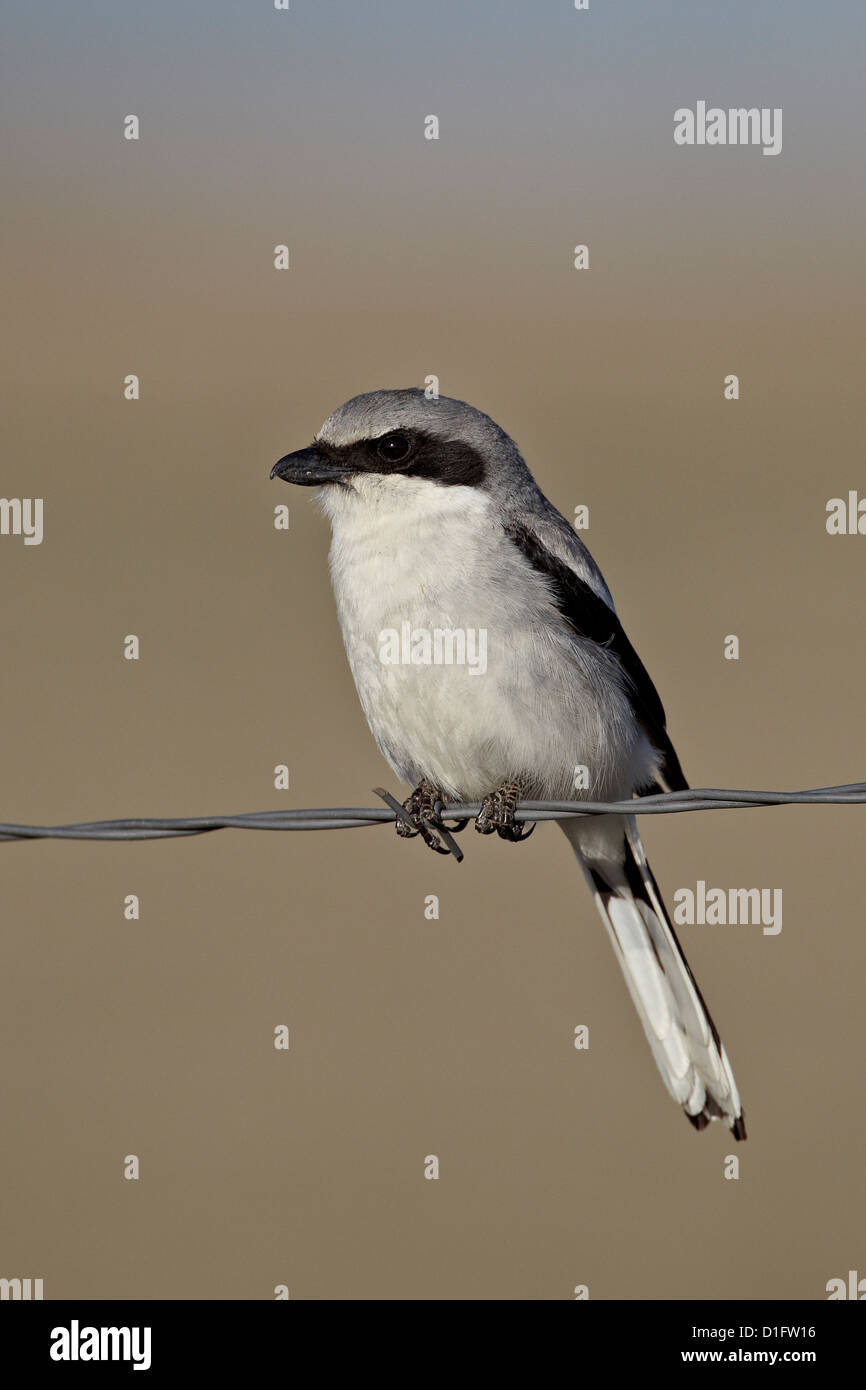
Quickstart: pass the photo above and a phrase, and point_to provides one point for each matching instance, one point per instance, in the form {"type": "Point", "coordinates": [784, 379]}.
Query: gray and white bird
{"type": "Point", "coordinates": [439, 527]}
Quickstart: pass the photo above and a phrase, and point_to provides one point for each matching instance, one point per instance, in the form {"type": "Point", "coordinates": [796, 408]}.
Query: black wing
{"type": "Point", "coordinates": [590, 617]}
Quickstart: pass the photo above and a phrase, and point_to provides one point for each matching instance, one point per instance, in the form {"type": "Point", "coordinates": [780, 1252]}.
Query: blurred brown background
{"type": "Point", "coordinates": [413, 1037]}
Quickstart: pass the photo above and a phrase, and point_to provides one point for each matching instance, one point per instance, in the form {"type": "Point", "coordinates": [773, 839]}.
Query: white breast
{"type": "Point", "coordinates": [412, 552]}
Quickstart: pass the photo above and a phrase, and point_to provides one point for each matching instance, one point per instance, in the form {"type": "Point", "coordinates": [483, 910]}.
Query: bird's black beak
{"type": "Point", "coordinates": [309, 468]}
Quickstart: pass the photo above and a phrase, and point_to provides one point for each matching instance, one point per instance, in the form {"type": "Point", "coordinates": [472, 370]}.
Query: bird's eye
{"type": "Point", "coordinates": [393, 448]}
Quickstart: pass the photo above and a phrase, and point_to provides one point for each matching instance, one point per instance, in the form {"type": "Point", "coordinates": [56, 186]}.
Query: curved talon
{"type": "Point", "coordinates": [423, 809]}
{"type": "Point", "coordinates": [497, 813]}
{"type": "Point", "coordinates": [520, 830]}
{"type": "Point", "coordinates": [440, 810]}
{"type": "Point", "coordinates": [430, 838]}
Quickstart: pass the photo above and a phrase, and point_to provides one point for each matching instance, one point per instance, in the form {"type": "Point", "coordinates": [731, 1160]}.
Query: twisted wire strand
{"type": "Point", "coordinates": [356, 817]}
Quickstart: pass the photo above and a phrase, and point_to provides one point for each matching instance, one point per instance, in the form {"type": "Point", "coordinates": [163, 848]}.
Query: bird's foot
{"type": "Point", "coordinates": [424, 810]}
{"type": "Point", "coordinates": [497, 813]}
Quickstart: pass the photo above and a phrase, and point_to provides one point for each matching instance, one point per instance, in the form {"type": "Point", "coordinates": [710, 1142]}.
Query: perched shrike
{"type": "Point", "coordinates": [438, 523]}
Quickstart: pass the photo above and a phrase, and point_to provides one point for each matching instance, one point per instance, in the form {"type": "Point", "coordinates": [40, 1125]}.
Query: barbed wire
{"type": "Point", "coordinates": [356, 817]}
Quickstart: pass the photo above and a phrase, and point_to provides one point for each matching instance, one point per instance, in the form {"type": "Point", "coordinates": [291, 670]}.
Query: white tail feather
{"type": "Point", "coordinates": [687, 1049]}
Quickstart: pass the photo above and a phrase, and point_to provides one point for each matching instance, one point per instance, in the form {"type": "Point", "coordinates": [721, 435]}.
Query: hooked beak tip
{"type": "Point", "coordinates": [308, 468]}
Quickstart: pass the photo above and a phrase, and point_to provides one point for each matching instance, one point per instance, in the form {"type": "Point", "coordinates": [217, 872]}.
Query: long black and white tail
{"type": "Point", "coordinates": [684, 1040]}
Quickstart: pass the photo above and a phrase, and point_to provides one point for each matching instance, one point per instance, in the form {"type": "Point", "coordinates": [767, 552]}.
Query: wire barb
{"type": "Point", "coordinates": [436, 828]}
{"type": "Point", "coordinates": [355, 817]}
